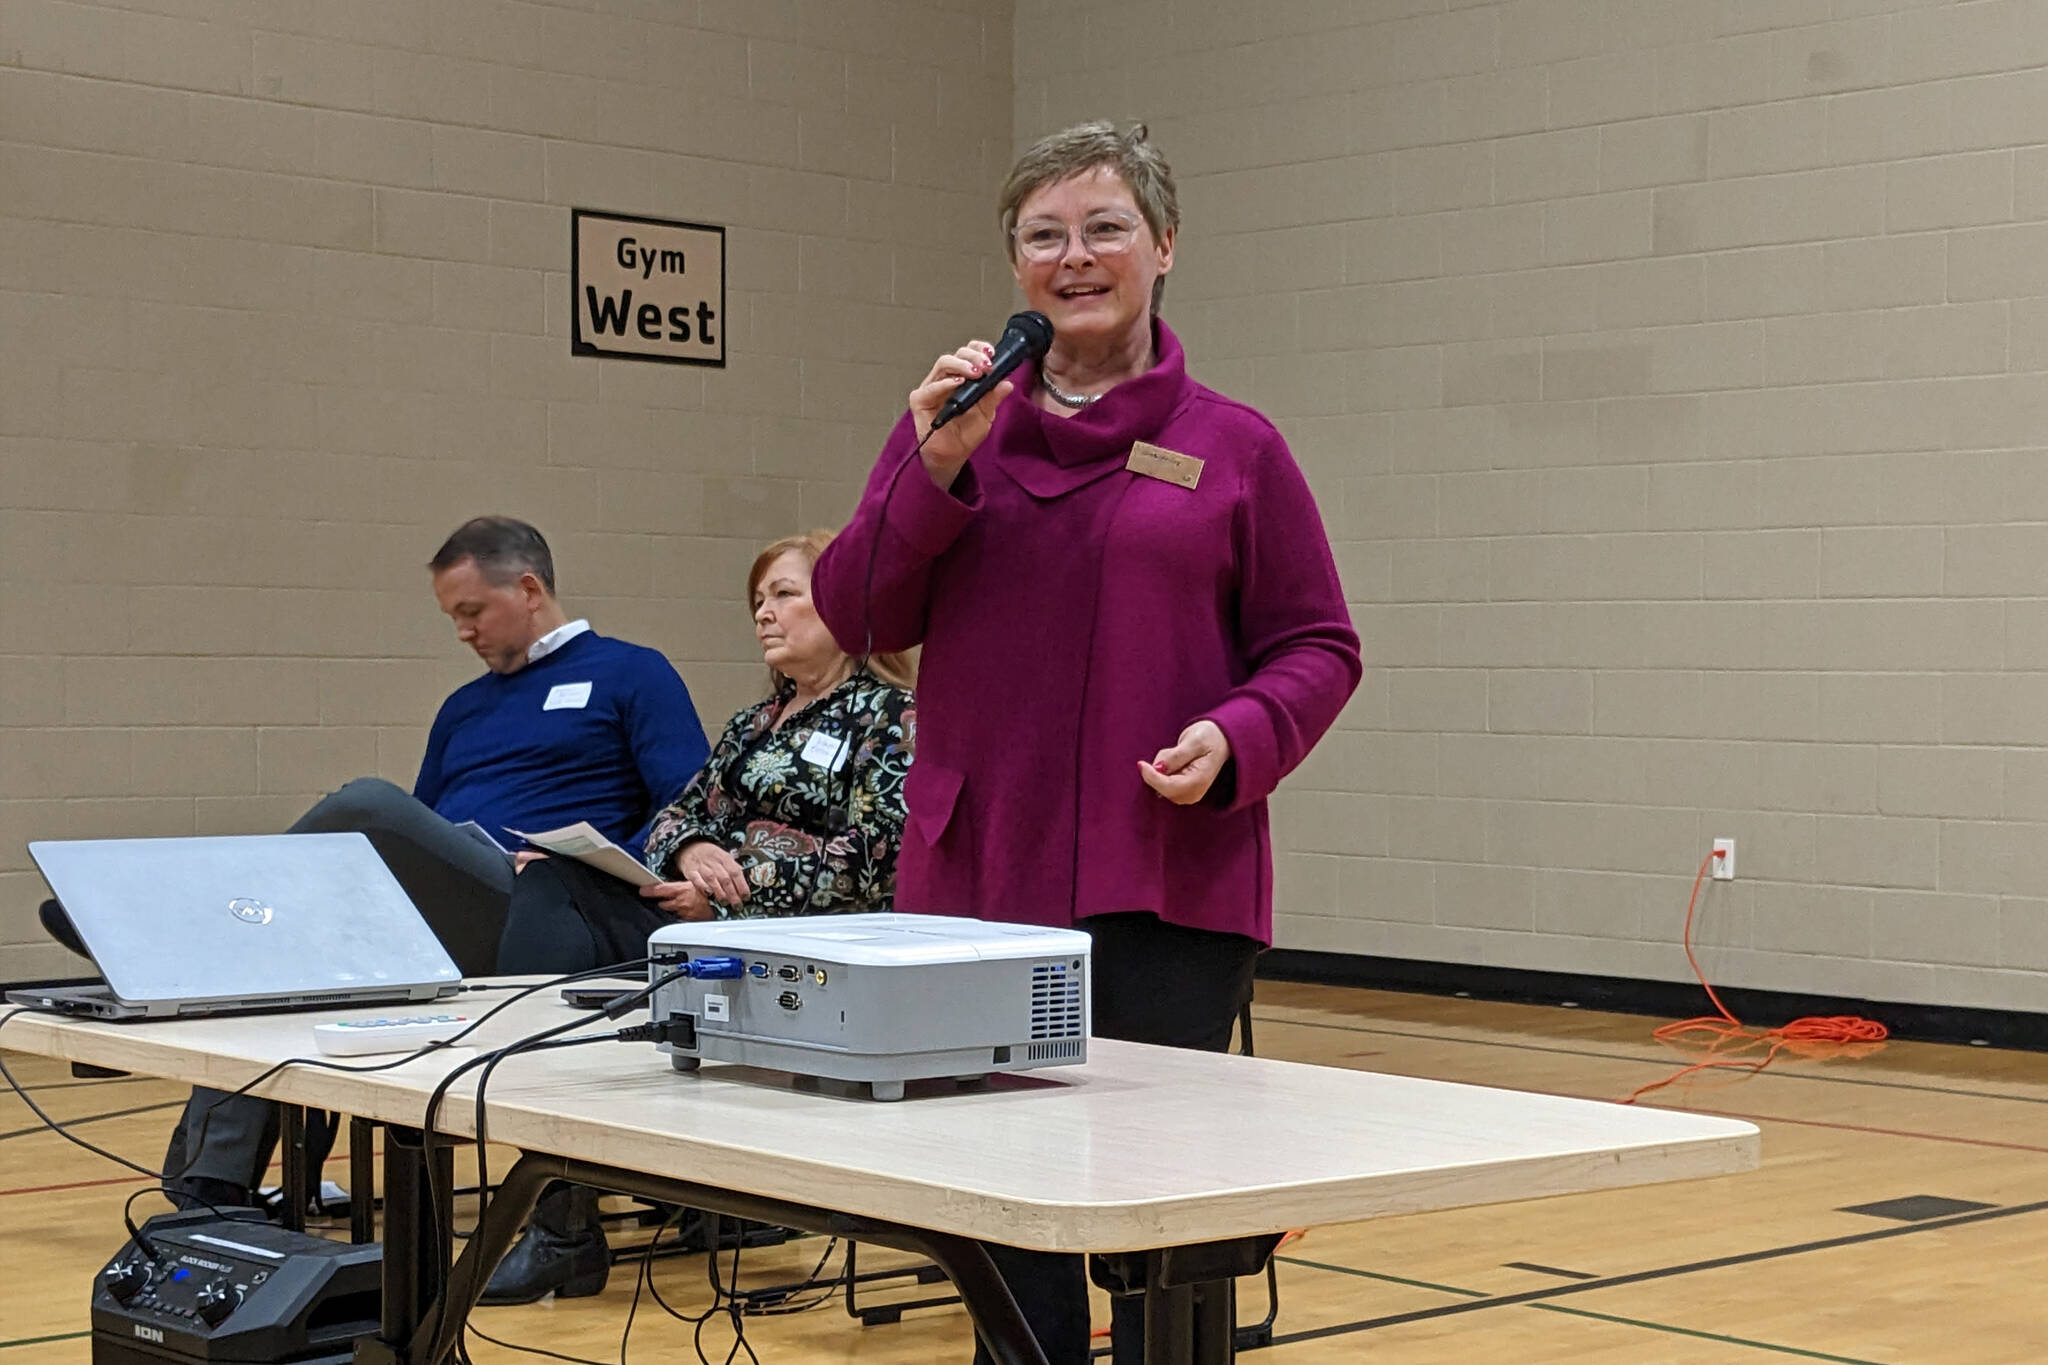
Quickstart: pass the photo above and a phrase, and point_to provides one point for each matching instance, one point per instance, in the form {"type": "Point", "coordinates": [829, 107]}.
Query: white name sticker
{"type": "Point", "coordinates": [717, 1007]}
{"type": "Point", "coordinates": [567, 697]}
{"type": "Point", "coordinates": [826, 751]}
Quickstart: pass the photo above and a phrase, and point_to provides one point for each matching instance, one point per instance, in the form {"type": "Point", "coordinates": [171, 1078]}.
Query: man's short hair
{"type": "Point", "coordinates": [503, 548]}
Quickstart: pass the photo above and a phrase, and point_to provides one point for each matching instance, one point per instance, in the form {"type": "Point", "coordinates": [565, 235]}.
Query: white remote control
{"type": "Point", "coordinates": [398, 1033]}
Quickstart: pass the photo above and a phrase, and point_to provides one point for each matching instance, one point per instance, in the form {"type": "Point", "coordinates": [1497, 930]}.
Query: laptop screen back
{"type": "Point", "coordinates": [241, 918]}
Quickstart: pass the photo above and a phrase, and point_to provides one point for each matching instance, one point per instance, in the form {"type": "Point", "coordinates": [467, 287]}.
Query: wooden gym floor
{"type": "Point", "coordinates": [1811, 1258]}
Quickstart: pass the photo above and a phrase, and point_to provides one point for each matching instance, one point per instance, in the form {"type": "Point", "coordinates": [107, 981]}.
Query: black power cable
{"type": "Point", "coordinates": [183, 1200]}
{"type": "Point", "coordinates": [545, 1039]}
{"type": "Point", "coordinates": [730, 1305]}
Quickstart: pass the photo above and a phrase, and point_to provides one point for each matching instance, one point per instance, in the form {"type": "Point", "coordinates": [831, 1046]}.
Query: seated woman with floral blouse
{"type": "Point", "coordinates": [798, 811]}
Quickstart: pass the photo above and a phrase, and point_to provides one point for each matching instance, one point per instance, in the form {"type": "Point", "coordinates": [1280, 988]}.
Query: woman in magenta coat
{"type": "Point", "coordinates": [1132, 630]}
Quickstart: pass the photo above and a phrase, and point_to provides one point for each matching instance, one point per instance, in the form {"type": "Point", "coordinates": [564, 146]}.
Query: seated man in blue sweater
{"type": "Point", "coordinates": [566, 725]}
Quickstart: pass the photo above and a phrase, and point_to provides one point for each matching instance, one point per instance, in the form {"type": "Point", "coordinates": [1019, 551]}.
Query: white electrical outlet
{"type": "Point", "coordinates": [1724, 860]}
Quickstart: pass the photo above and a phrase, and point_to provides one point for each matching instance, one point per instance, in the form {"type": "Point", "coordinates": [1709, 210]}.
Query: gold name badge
{"type": "Point", "coordinates": [1157, 462]}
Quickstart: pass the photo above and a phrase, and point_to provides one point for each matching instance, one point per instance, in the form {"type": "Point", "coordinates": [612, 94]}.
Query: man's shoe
{"type": "Point", "coordinates": [562, 1252]}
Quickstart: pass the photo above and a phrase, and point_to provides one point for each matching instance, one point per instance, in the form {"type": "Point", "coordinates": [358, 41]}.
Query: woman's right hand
{"type": "Point", "coordinates": [946, 453]}
{"type": "Point", "coordinates": [713, 871]}
{"type": "Point", "coordinates": [680, 899]}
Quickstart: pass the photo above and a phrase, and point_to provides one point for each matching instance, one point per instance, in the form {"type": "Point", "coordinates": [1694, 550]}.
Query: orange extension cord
{"type": "Point", "coordinates": [1727, 1036]}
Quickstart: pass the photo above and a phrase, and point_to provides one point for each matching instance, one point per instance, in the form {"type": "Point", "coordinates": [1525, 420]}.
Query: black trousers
{"type": "Point", "coordinates": [1152, 982]}
{"type": "Point", "coordinates": [565, 917]}
{"type": "Point", "coordinates": [461, 886]}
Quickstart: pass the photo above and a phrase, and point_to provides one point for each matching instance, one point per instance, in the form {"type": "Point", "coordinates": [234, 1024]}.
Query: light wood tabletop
{"type": "Point", "coordinates": [1141, 1147]}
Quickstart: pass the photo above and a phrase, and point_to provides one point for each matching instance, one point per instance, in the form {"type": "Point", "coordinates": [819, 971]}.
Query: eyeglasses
{"type": "Point", "coordinates": [1103, 234]}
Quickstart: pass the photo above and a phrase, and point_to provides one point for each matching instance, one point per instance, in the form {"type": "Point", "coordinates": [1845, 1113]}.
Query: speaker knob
{"type": "Point", "coordinates": [215, 1301]}
{"type": "Point", "coordinates": [126, 1279]}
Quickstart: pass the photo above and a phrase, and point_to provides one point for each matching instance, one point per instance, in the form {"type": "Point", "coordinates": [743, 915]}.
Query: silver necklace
{"type": "Point", "coordinates": [1065, 399]}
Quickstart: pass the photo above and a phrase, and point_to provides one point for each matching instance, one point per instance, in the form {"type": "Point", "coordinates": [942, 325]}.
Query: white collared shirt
{"type": "Point", "coordinates": [555, 639]}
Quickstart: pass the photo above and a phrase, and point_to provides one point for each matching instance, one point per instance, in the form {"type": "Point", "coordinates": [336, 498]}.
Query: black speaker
{"type": "Point", "coordinates": [204, 1287]}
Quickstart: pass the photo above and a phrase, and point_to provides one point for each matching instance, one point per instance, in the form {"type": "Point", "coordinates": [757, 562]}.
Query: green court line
{"type": "Point", "coordinates": [1583, 1313]}
{"type": "Point", "coordinates": [43, 1341]}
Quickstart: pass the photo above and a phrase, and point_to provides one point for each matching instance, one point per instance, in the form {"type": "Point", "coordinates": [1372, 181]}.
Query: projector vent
{"type": "Point", "coordinates": [1055, 1004]}
{"type": "Point", "coordinates": [1048, 1052]}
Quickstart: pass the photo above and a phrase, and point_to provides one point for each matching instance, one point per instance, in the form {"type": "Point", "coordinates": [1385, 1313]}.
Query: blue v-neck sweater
{"type": "Point", "coordinates": [599, 730]}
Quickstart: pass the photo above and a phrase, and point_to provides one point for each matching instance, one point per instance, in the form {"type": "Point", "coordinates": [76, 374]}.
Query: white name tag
{"type": "Point", "coordinates": [826, 751]}
{"type": "Point", "coordinates": [567, 697]}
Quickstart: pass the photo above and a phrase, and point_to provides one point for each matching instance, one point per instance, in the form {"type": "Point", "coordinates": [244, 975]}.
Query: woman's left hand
{"type": "Point", "coordinates": [680, 899]}
{"type": "Point", "coordinates": [1184, 773]}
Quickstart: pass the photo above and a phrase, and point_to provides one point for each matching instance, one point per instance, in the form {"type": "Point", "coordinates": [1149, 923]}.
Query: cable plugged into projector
{"type": "Point", "coordinates": [680, 1029]}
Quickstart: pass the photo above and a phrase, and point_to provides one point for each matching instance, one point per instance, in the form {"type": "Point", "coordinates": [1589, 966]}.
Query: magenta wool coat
{"type": "Point", "coordinates": [1076, 617]}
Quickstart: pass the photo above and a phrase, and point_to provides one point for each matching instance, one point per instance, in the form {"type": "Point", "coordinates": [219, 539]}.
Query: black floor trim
{"type": "Point", "coordinates": [1817, 1078]}
{"type": "Point", "coordinates": [1916, 1208]}
{"type": "Point", "coordinates": [1669, 999]}
{"type": "Point", "coordinates": [1549, 1270]}
{"type": "Point", "coordinates": [1662, 1273]}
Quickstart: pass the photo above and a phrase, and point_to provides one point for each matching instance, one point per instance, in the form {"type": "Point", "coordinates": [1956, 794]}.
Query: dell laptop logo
{"type": "Point", "coordinates": [250, 910]}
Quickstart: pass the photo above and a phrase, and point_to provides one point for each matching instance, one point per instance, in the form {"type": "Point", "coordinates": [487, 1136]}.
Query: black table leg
{"type": "Point", "coordinates": [1215, 1321]}
{"type": "Point", "coordinates": [414, 1260]}
{"type": "Point", "coordinates": [362, 1181]}
{"type": "Point", "coordinates": [1190, 1295]}
{"type": "Point", "coordinates": [291, 1131]}
{"type": "Point", "coordinates": [1169, 1324]}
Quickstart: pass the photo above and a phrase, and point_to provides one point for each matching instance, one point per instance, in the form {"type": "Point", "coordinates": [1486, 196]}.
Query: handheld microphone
{"type": "Point", "coordinates": [1026, 336]}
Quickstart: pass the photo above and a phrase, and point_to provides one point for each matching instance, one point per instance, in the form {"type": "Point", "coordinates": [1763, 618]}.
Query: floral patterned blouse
{"type": "Point", "coordinates": [815, 827]}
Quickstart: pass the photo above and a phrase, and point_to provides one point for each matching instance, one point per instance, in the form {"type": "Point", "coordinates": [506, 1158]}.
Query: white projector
{"type": "Point", "coordinates": [878, 998]}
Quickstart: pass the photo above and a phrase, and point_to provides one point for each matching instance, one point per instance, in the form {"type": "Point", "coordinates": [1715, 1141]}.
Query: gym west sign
{"type": "Point", "coordinates": [647, 288]}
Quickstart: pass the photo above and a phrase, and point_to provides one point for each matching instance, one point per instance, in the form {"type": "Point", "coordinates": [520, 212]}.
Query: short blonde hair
{"type": "Point", "coordinates": [898, 670]}
{"type": "Point", "coordinates": [1081, 148]}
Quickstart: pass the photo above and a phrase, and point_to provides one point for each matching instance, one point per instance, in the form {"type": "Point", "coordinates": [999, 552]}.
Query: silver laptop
{"type": "Point", "coordinates": [259, 922]}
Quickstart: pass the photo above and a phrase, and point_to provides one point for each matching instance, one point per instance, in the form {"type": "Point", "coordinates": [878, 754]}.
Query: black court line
{"type": "Point", "coordinates": [80, 1085]}
{"type": "Point", "coordinates": [1645, 1323]}
{"type": "Point", "coordinates": [1539, 1296]}
{"type": "Point", "coordinates": [1278, 1022]}
{"type": "Point", "coordinates": [1549, 1270]}
{"type": "Point", "coordinates": [1674, 1330]}
{"type": "Point", "coordinates": [93, 1118]}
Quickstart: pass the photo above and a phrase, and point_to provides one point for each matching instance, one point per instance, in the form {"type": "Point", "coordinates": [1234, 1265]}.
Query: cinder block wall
{"type": "Point", "coordinates": [284, 298]}
{"type": "Point", "coordinates": [1673, 375]}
